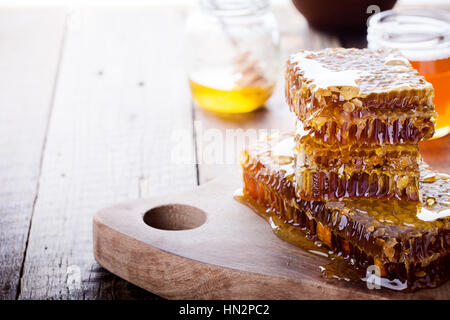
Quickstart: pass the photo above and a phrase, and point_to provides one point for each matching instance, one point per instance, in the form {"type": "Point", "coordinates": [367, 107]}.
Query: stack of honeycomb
{"type": "Point", "coordinates": [349, 176]}
{"type": "Point", "coordinates": [360, 116]}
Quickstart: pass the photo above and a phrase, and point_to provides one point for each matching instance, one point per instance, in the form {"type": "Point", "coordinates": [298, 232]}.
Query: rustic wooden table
{"type": "Point", "coordinates": [89, 99]}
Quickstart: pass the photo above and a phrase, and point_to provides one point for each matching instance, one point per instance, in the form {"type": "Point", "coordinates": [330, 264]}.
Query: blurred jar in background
{"type": "Point", "coordinates": [423, 36]}
{"type": "Point", "coordinates": [232, 54]}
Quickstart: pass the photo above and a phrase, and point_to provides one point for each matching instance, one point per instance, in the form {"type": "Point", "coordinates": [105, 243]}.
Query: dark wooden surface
{"type": "Point", "coordinates": [90, 103]}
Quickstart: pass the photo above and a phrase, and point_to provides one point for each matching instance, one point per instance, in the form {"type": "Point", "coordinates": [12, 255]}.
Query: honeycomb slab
{"type": "Point", "coordinates": [408, 241]}
{"type": "Point", "coordinates": [360, 96]}
{"type": "Point", "coordinates": [354, 171]}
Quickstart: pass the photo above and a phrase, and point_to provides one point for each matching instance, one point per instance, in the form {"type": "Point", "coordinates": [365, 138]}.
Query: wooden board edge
{"type": "Point", "coordinates": [175, 277]}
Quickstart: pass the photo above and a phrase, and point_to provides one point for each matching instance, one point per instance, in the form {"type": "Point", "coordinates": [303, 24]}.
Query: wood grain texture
{"type": "Point", "coordinates": [295, 35]}
{"type": "Point", "coordinates": [234, 255]}
{"type": "Point", "coordinates": [30, 44]}
{"type": "Point", "coordinates": [120, 95]}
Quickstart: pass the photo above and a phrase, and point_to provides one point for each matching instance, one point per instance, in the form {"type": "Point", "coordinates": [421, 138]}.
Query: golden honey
{"type": "Point", "coordinates": [340, 265]}
{"type": "Point", "coordinates": [231, 100]}
{"type": "Point", "coordinates": [335, 172]}
{"type": "Point", "coordinates": [438, 73]}
{"type": "Point", "coordinates": [423, 38]}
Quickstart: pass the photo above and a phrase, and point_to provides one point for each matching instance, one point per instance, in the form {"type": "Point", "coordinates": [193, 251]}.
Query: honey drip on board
{"type": "Point", "coordinates": [438, 73]}
{"type": "Point", "coordinates": [337, 268]}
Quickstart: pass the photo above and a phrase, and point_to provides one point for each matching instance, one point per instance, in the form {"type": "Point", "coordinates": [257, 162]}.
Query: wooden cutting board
{"type": "Point", "coordinates": [225, 251]}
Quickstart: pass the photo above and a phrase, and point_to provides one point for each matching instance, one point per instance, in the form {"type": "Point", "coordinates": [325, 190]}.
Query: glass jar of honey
{"type": "Point", "coordinates": [232, 54]}
{"type": "Point", "coordinates": [423, 36]}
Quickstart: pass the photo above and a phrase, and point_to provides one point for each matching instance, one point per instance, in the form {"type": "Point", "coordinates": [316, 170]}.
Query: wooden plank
{"type": "Point", "coordinates": [295, 35]}
{"type": "Point", "coordinates": [30, 45]}
{"type": "Point", "coordinates": [121, 115]}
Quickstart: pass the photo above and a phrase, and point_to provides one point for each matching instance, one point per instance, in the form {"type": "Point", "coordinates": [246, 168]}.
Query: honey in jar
{"type": "Point", "coordinates": [231, 54]}
{"type": "Point", "coordinates": [438, 73]}
{"type": "Point", "coordinates": [217, 91]}
{"type": "Point", "coordinates": [423, 36]}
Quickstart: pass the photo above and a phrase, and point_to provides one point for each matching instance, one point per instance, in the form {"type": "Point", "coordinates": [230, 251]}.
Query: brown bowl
{"type": "Point", "coordinates": [342, 15]}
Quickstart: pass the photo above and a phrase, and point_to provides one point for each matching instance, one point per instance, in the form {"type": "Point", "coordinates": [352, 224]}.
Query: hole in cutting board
{"type": "Point", "coordinates": [175, 217]}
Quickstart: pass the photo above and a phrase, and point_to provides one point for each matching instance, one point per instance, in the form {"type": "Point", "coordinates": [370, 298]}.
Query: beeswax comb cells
{"type": "Point", "coordinates": [356, 93]}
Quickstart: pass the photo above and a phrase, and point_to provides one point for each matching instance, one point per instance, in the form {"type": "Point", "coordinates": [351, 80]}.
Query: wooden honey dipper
{"type": "Point", "coordinates": [248, 72]}
{"type": "Point", "coordinates": [247, 69]}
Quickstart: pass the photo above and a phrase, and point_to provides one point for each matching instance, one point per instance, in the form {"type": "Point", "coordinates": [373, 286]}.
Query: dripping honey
{"type": "Point", "coordinates": [438, 73]}
{"type": "Point", "coordinates": [289, 232]}
{"type": "Point", "coordinates": [339, 266]}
